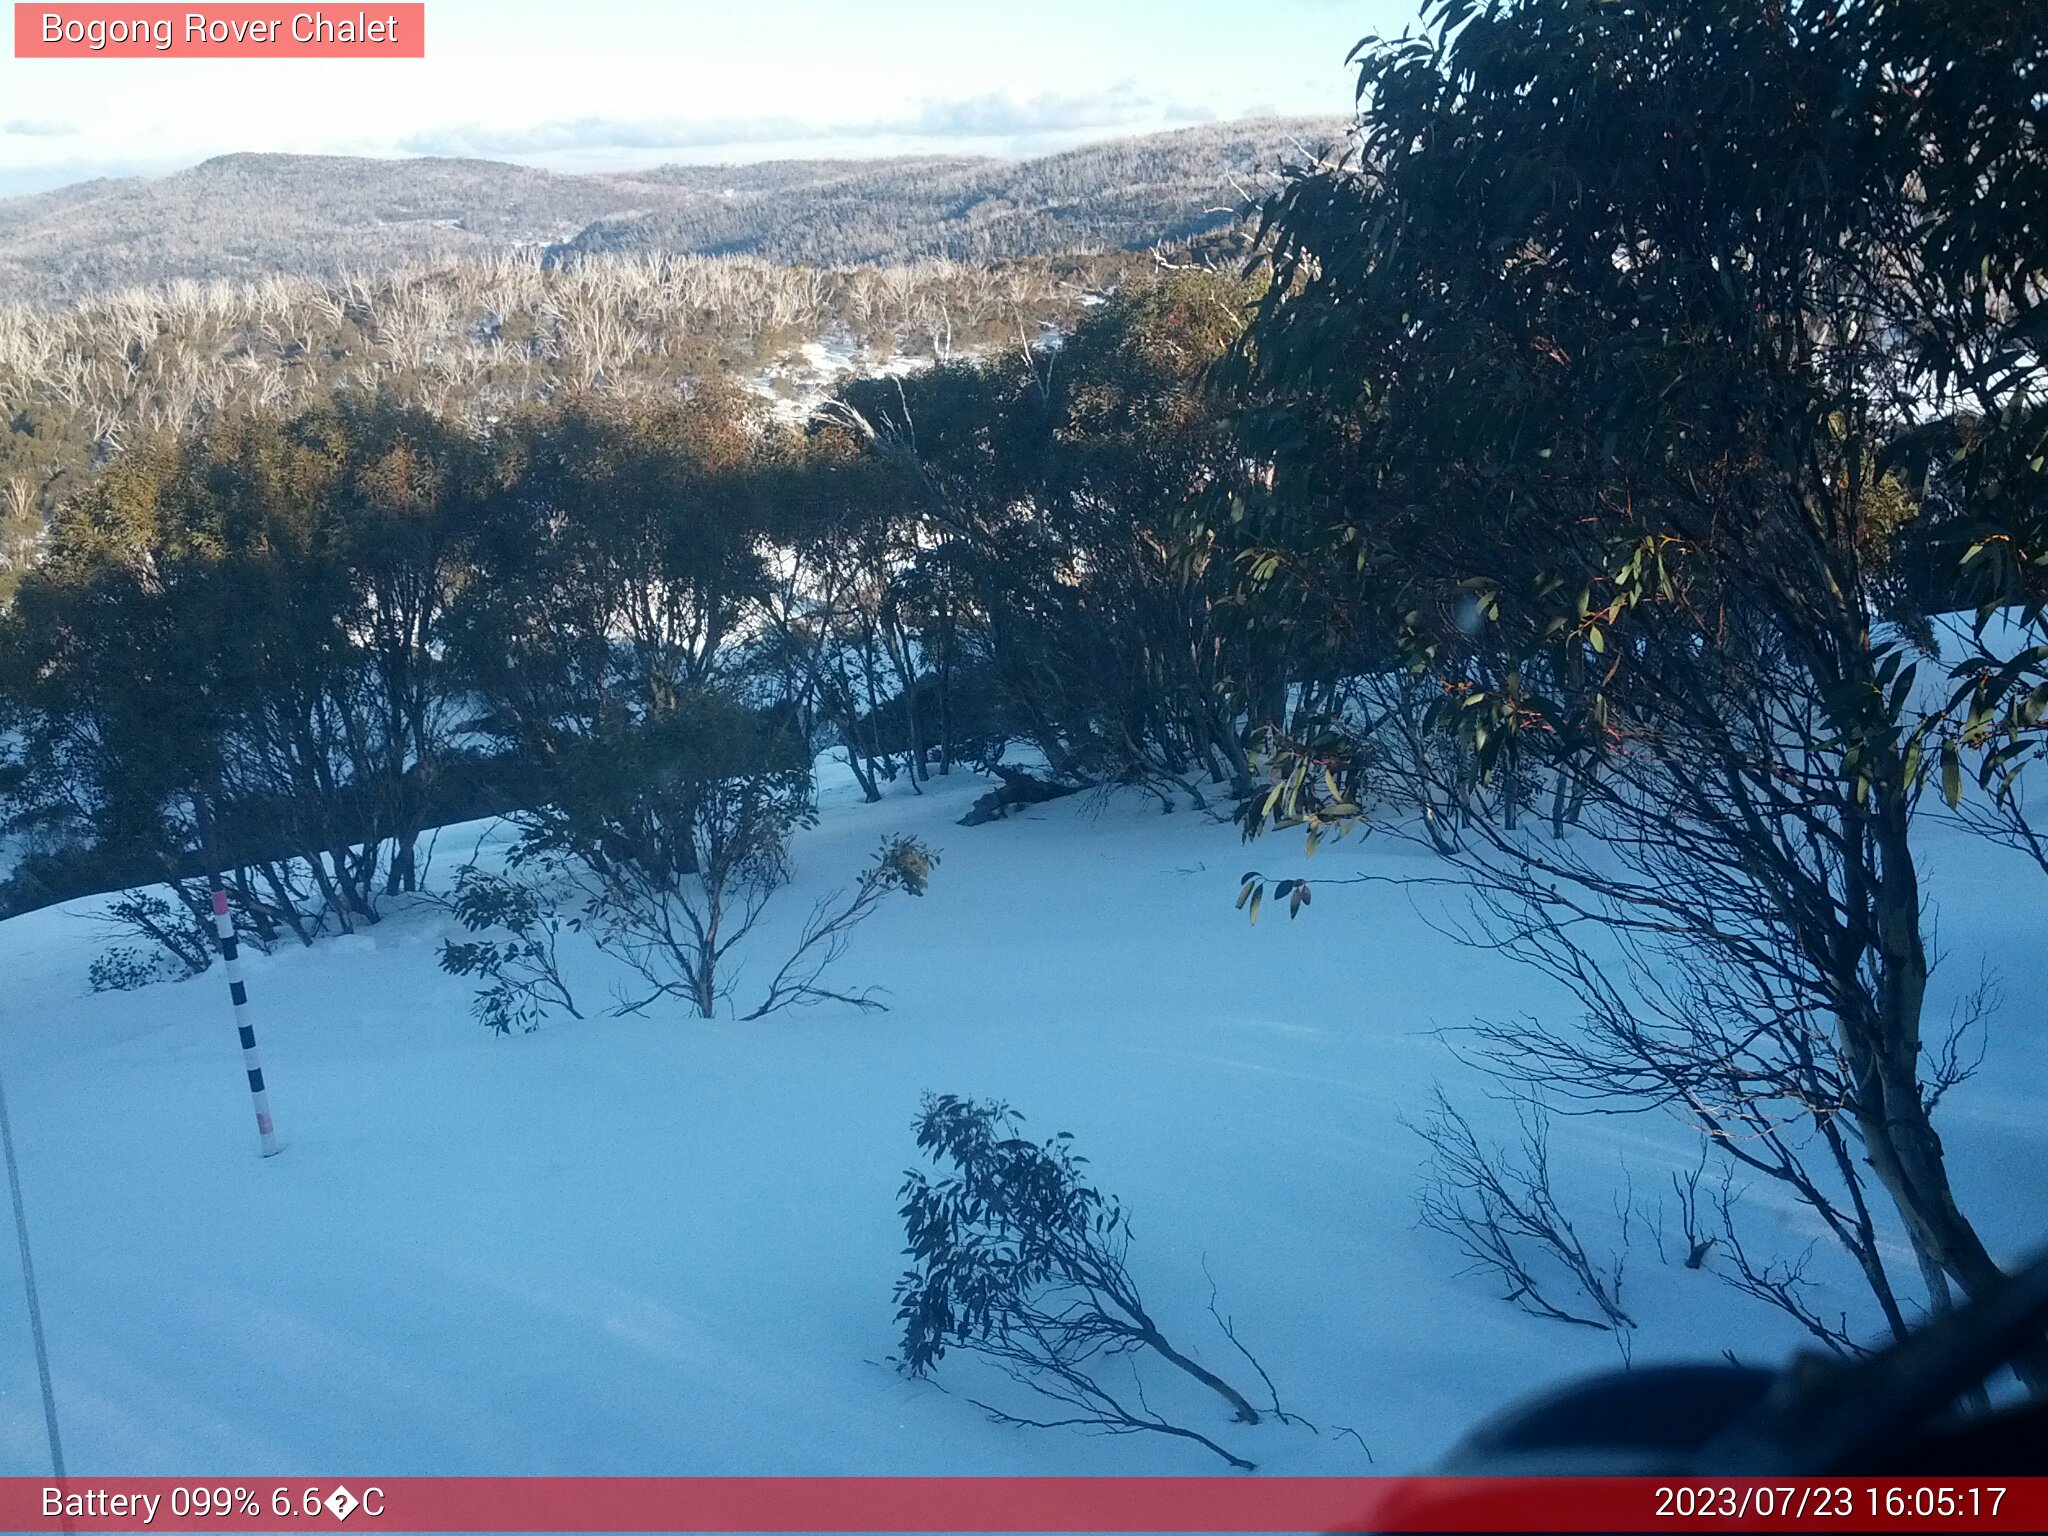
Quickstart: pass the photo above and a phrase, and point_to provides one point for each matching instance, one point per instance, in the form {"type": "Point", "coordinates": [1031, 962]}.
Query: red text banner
{"type": "Point", "coordinates": [233, 31]}
{"type": "Point", "coordinates": [1053, 1504]}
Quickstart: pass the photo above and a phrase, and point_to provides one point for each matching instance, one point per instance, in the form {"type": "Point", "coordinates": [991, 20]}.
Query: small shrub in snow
{"type": "Point", "coordinates": [680, 867]}
{"type": "Point", "coordinates": [180, 940]}
{"type": "Point", "coordinates": [124, 968]}
{"type": "Point", "coordinates": [1018, 1259]}
{"type": "Point", "coordinates": [1721, 1251]}
{"type": "Point", "coordinates": [679, 832]}
{"type": "Point", "coordinates": [522, 969]}
{"type": "Point", "coordinates": [1500, 1210]}
{"type": "Point", "coordinates": [901, 864]}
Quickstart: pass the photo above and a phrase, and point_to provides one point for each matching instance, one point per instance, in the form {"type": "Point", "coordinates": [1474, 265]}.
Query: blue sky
{"type": "Point", "coordinates": [611, 84]}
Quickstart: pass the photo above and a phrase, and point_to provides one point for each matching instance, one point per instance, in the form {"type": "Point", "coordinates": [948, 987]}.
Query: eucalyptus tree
{"type": "Point", "coordinates": [1600, 385]}
{"type": "Point", "coordinates": [1060, 495]}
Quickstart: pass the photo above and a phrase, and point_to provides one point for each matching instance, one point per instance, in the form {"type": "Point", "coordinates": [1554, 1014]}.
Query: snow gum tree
{"type": "Point", "coordinates": [1602, 386]}
{"type": "Point", "coordinates": [1017, 1258]}
{"type": "Point", "coordinates": [1055, 497]}
{"type": "Point", "coordinates": [246, 620]}
{"type": "Point", "coordinates": [622, 580]}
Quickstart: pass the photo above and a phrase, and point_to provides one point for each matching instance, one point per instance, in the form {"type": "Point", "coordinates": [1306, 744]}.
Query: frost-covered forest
{"type": "Point", "coordinates": [251, 215]}
{"type": "Point", "coordinates": [470, 340]}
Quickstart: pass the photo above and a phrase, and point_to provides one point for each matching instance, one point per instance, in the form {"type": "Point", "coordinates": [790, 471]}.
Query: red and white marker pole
{"type": "Point", "coordinates": [230, 951]}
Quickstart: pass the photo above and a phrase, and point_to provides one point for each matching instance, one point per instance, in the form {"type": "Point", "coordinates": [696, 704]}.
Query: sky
{"type": "Point", "coordinates": [586, 85]}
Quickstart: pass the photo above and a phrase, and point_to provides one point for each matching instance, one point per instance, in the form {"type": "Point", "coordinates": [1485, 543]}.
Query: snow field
{"type": "Point", "coordinates": [661, 1246]}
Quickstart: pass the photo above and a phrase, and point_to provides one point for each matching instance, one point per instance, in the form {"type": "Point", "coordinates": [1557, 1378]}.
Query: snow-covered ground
{"type": "Point", "coordinates": [796, 383]}
{"type": "Point", "coordinates": [662, 1246]}
{"type": "Point", "coordinates": [805, 377]}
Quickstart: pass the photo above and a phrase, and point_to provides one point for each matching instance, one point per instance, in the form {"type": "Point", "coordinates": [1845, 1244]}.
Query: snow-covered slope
{"type": "Point", "coordinates": [663, 1246]}
{"type": "Point", "coordinates": [805, 377]}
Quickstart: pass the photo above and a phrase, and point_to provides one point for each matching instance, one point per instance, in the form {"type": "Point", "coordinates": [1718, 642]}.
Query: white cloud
{"type": "Point", "coordinates": [993, 116]}
{"type": "Point", "coordinates": [989, 116]}
{"type": "Point", "coordinates": [478, 139]}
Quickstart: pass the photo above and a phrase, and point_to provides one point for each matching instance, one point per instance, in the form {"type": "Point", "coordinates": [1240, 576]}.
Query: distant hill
{"type": "Point", "coordinates": [242, 216]}
{"type": "Point", "coordinates": [1125, 194]}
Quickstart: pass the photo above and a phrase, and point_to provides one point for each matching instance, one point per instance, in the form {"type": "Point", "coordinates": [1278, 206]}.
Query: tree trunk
{"type": "Point", "coordinates": [1246, 1413]}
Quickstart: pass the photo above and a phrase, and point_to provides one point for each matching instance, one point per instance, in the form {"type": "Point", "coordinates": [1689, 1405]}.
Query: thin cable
{"type": "Point", "coordinates": [28, 1279]}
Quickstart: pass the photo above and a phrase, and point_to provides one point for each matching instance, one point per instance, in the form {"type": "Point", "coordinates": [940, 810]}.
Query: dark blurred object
{"type": "Point", "coordinates": [1897, 1412]}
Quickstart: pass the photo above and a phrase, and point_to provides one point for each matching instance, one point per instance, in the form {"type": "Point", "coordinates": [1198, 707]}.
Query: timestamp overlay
{"type": "Point", "coordinates": [1054, 1504]}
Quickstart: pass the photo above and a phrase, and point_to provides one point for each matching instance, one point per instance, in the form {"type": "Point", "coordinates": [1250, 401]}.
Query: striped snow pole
{"type": "Point", "coordinates": [230, 951]}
